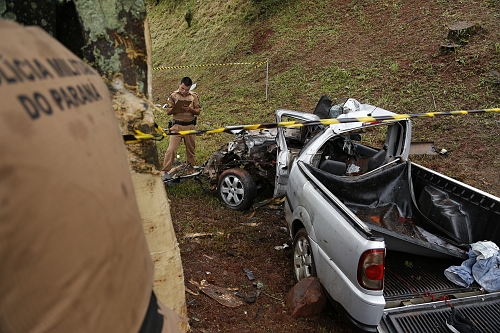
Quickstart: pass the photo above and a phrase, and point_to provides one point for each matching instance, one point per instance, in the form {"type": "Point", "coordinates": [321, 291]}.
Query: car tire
{"type": "Point", "coordinates": [303, 259]}
{"type": "Point", "coordinates": [236, 189]}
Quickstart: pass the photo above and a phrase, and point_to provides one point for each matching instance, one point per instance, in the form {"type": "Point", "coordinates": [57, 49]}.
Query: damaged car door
{"type": "Point", "coordinates": [290, 141]}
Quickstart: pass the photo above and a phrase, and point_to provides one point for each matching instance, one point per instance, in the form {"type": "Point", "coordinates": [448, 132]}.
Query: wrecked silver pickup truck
{"type": "Point", "coordinates": [379, 231]}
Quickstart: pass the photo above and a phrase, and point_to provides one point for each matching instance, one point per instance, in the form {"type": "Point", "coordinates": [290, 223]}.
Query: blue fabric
{"type": "Point", "coordinates": [486, 272]}
{"type": "Point", "coordinates": [462, 275]}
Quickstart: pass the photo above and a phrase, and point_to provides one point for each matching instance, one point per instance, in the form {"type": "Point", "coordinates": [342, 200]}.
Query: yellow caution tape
{"type": "Point", "coordinates": [255, 63]}
{"type": "Point", "coordinates": [139, 136]}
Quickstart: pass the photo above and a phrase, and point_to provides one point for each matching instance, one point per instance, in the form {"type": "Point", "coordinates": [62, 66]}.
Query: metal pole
{"type": "Point", "coordinates": [267, 76]}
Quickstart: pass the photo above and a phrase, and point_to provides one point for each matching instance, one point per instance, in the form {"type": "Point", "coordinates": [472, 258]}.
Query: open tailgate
{"type": "Point", "coordinates": [482, 310]}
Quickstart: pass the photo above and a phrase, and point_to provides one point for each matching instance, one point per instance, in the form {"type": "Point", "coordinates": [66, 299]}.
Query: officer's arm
{"type": "Point", "coordinates": [196, 108]}
{"type": "Point", "coordinates": [170, 105]}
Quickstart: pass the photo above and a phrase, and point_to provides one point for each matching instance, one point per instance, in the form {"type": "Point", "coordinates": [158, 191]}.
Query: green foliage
{"type": "Point", "coordinates": [268, 7]}
{"type": "Point", "coordinates": [189, 13]}
{"type": "Point", "coordinates": [364, 49]}
{"type": "Point", "coordinates": [188, 17]}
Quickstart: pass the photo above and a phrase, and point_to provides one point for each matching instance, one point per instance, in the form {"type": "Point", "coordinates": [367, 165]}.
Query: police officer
{"type": "Point", "coordinates": [183, 120]}
{"type": "Point", "coordinates": [73, 254]}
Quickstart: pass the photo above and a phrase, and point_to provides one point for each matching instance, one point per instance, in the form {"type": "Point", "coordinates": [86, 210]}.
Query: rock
{"type": "Point", "coordinates": [307, 298]}
{"type": "Point", "coordinates": [458, 35]}
{"type": "Point", "coordinates": [460, 32]}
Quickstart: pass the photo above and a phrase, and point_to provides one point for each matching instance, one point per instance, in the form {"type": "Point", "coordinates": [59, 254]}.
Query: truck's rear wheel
{"type": "Point", "coordinates": [303, 260]}
{"type": "Point", "coordinates": [236, 189]}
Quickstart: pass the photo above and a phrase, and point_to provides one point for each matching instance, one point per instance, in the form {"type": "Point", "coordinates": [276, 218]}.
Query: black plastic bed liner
{"type": "Point", "coordinates": [384, 201]}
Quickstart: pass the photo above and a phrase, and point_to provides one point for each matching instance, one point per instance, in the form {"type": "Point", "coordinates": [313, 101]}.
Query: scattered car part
{"type": "Point", "coordinates": [221, 295]}
{"type": "Point", "coordinates": [423, 148]}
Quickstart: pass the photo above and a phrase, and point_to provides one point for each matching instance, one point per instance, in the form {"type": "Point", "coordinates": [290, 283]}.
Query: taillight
{"type": "Point", "coordinates": [371, 269]}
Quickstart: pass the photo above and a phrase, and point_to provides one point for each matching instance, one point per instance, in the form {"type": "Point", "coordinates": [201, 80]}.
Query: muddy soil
{"type": "Point", "coordinates": [245, 253]}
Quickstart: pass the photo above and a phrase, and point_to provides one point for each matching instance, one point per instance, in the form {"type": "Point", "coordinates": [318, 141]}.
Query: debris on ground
{"type": "Point", "coordinates": [252, 224]}
{"type": "Point", "coordinates": [272, 203]}
{"type": "Point", "coordinates": [191, 292]}
{"type": "Point", "coordinates": [459, 34]}
{"type": "Point", "coordinates": [259, 284]}
{"type": "Point", "coordinates": [423, 148]}
{"type": "Point", "coordinates": [249, 297]}
{"type": "Point", "coordinates": [202, 234]}
{"type": "Point", "coordinates": [221, 295]}
{"type": "Point", "coordinates": [281, 247]}
{"type": "Point", "coordinates": [249, 274]}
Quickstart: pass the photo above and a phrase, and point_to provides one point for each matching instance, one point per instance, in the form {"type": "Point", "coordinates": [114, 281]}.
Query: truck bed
{"type": "Point", "coordinates": [418, 211]}
{"type": "Point", "coordinates": [383, 201]}
{"type": "Point", "coordinates": [422, 214]}
{"type": "Point", "coordinates": [411, 279]}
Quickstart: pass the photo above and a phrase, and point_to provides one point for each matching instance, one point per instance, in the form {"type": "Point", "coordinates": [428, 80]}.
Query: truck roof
{"type": "Point", "coordinates": [354, 109]}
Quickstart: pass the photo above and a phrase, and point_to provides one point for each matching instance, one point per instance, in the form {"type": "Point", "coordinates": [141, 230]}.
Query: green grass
{"type": "Point", "coordinates": [383, 53]}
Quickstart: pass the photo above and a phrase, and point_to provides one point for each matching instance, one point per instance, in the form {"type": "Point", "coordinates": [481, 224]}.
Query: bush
{"type": "Point", "coordinates": [268, 7]}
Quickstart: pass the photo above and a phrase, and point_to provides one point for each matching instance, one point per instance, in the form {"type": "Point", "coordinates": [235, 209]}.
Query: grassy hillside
{"type": "Point", "coordinates": [386, 53]}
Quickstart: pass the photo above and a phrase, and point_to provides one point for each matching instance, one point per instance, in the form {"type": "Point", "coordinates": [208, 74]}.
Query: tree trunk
{"type": "Point", "coordinates": [118, 46]}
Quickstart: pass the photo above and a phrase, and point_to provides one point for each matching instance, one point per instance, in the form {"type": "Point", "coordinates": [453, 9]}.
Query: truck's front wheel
{"type": "Point", "coordinates": [303, 260]}
{"type": "Point", "coordinates": [236, 189]}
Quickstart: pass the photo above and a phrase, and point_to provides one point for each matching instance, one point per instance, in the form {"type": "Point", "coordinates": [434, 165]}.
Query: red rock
{"type": "Point", "coordinates": [307, 298]}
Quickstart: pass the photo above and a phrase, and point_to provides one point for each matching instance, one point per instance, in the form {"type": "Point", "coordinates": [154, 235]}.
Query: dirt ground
{"type": "Point", "coordinates": [239, 242]}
